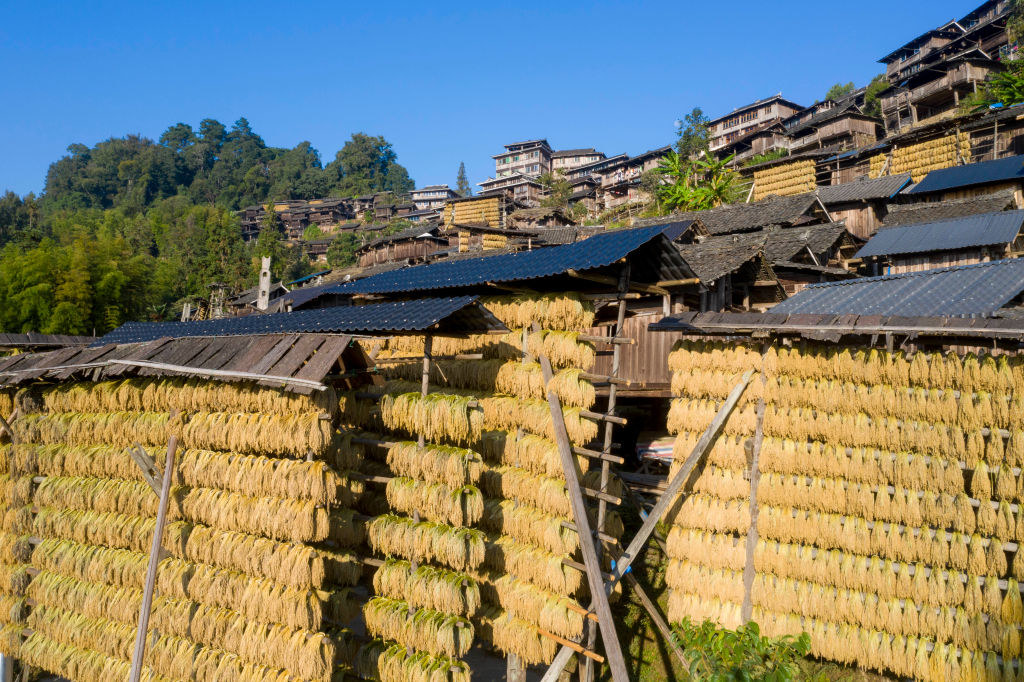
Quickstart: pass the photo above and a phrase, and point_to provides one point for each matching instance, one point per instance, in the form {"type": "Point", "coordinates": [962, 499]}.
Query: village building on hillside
{"type": "Point", "coordinates": [620, 180]}
{"type": "Point", "coordinates": [565, 160]}
{"type": "Point", "coordinates": [931, 73]}
{"type": "Point", "coordinates": [414, 245]}
{"type": "Point", "coordinates": [863, 204]}
{"type": "Point", "coordinates": [746, 119]}
{"type": "Point", "coordinates": [973, 180]}
{"type": "Point", "coordinates": [804, 209]}
{"type": "Point", "coordinates": [489, 210]}
{"type": "Point", "coordinates": [525, 190]}
{"type": "Point", "coordinates": [432, 197]}
{"type": "Point", "coordinates": [327, 214]}
{"type": "Point", "coordinates": [956, 241]}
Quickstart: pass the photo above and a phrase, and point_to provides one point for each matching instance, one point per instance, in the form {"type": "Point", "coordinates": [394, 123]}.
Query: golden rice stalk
{"type": "Point", "coordinates": [428, 587]}
{"type": "Point", "coordinates": [466, 374]}
{"type": "Point", "coordinates": [450, 466]}
{"type": "Point", "coordinates": [515, 636]}
{"type": "Point", "coordinates": [532, 564]}
{"type": "Point", "coordinates": [528, 524]}
{"type": "Point", "coordinates": [562, 349]}
{"type": "Point", "coordinates": [304, 653]}
{"type": "Point", "coordinates": [341, 568]}
{"type": "Point", "coordinates": [360, 413]}
{"type": "Point", "coordinates": [553, 612]}
{"type": "Point", "coordinates": [437, 416]}
{"type": "Point", "coordinates": [92, 600]}
{"type": "Point", "coordinates": [6, 403]}
{"type": "Point", "coordinates": [377, 660]}
{"type": "Point", "coordinates": [287, 435]}
{"type": "Point", "coordinates": [505, 413]}
{"type": "Point", "coordinates": [458, 548]}
{"type": "Point", "coordinates": [437, 633]}
{"type": "Point", "coordinates": [550, 311]}
{"type": "Point", "coordinates": [257, 476]}
{"type": "Point", "coordinates": [117, 567]}
{"type": "Point", "coordinates": [114, 428]}
{"type": "Point", "coordinates": [461, 506]}
{"type": "Point", "coordinates": [534, 453]}
{"type": "Point", "coordinates": [547, 493]}
{"type": "Point", "coordinates": [78, 664]}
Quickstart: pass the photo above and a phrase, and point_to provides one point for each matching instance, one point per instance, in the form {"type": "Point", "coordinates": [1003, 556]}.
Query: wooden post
{"type": "Point", "coordinates": [516, 671]}
{"type": "Point", "coordinates": [612, 648]}
{"type": "Point", "coordinates": [747, 609]}
{"type": "Point", "coordinates": [702, 447]}
{"type": "Point", "coordinates": [587, 672]}
{"type": "Point", "coordinates": [154, 559]}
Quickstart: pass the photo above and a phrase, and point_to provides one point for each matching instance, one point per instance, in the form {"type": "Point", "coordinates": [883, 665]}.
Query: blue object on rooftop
{"type": "Point", "coordinates": [459, 314]}
{"type": "Point", "coordinates": [307, 277]}
{"type": "Point", "coordinates": [965, 290]}
{"type": "Point", "coordinates": [603, 249]}
{"type": "Point", "coordinates": [999, 170]}
{"type": "Point", "coordinates": [984, 229]}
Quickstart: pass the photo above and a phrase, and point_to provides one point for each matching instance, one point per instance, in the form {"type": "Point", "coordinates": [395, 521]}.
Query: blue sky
{"type": "Point", "coordinates": [444, 82]}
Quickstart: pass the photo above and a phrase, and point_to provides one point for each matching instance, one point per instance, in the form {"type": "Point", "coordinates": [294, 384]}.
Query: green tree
{"type": "Point", "coordinates": [743, 655]}
{"type": "Point", "coordinates": [366, 165]}
{"type": "Point", "coordinates": [840, 90]}
{"type": "Point", "coordinates": [462, 187]}
{"type": "Point", "coordinates": [696, 184]}
{"type": "Point", "coordinates": [312, 232]}
{"type": "Point", "coordinates": [341, 252]}
{"type": "Point", "coordinates": [557, 189]}
{"type": "Point", "coordinates": [692, 134]}
{"type": "Point", "coordinates": [872, 105]}
{"type": "Point", "coordinates": [1003, 88]}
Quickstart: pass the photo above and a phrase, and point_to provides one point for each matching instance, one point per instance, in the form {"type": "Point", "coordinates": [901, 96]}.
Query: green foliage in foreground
{"type": "Point", "coordinates": [743, 655]}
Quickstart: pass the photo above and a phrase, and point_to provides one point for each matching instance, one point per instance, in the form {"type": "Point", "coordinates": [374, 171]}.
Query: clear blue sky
{"type": "Point", "coordinates": [444, 82]}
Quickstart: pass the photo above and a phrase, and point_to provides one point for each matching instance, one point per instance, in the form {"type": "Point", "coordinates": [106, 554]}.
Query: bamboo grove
{"type": "Point", "coordinates": [257, 569]}
{"type": "Point", "coordinates": [888, 512]}
{"type": "Point", "coordinates": [475, 540]}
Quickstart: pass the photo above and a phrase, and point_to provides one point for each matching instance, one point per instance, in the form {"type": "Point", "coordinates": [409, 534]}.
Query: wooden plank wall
{"type": "Point", "coordinates": [645, 363]}
{"type": "Point", "coordinates": [861, 219]}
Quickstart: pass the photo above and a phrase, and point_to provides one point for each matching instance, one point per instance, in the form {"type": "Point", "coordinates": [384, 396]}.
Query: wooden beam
{"type": "Point", "coordinates": [199, 371]}
{"type": "Point", "coordinates": [624, 340]}
{"type": "Point", "coordinates": [594, 454]}
{"type": "Point", "coordinates": [616, 661]}
{"type": "Point", "coordinates": [614, 281]}
{"type": "Point", "coordinates": [148, 466]}
{"type": "Point", "coordinates": [678, 282]}
{"type": "Point", "coordinates": [135, 674]}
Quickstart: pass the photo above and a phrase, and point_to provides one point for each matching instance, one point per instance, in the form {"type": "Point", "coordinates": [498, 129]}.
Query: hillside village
{"type": "Point", "coordinates": [590, 422]}
{"type": "Point", "coordinates": [841, 170]}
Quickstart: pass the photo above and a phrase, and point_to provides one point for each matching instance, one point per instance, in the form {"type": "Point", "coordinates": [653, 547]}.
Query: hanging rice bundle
{"type": "Point", "coordinates": [428, 587]}
{"type": "Point", "coordinates": [72, 662]}
{"type": "Point", "coordinates": [550, 311]}
{"type": "Point", "coordinates": [532, 564]}
{"type": "Point", "coordinates": [453, 467]}
{"type": "Point", "coordinates": [286, 435]}
{"type": "Point", "coordinates": [458, 548]}
{"type": "Point", "coordinates": [257, 476]}
{"type": "Point", "coordinates": [507, 414]}
{"type": "Point", "coordinates": [113, 428]}
{"type": "Point", "coordinates": [92, 600]}
{"type": "Point", "coordinates": [438, 417]}
{"type": "Point", "coordinates": [186, 395]}
{"type": "Point", "coordinates": [553, 612]}
{"type": "Point", "coordinates": [528, 524]}
{"type": "Point", "coordinates": [378, 660]}
{"type": "Point", "coordinates": [562, 349]}
{"type": "Point", "coordinates": [461, 506]}
{"type": "Point", "coordinates": [515, 636]}
{"type": "Point", "coordinates": [437, 633]}
{"type": "Point", "coordinates": [341, 568]}
{"type": "Point", "coordinates": [547, 493]}
{"type": "Point", "coordinates": [536, 454]}
{"type": "Point", "coordinates": [466, 374]}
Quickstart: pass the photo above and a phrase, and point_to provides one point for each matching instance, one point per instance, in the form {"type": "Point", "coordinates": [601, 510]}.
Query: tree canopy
{"type": "Point", "coordinates": [131, 228]}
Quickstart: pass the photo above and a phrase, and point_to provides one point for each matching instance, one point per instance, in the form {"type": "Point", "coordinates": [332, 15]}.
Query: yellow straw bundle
{"type": "Point", "coordinates": [453, 467]}
{"type": "Point", "coordinates": [434, 632]}
{"type": "Point", "coordinates": [458, 548]}
{"type": "Point", "coordinates": [532, 564]}
{"type": "Point", "coordinates": [507, 414]}
{"type": "Point", "coordinates": [428, 587]}
{"type": "Point", "coordinates": [550, 311]}
{"type": "Point", "coordinates": [461, 506]}
{"type": "Point", "coordinates": [563, 349]}
{"type": "Point", "coordinates": [515, 636]}
{"type": "Point", "coordinates": [534, 453]}
{"type": "Point", "coordinates": [378, 660]}
{"type": "Point", "coordinates": [438, 417]}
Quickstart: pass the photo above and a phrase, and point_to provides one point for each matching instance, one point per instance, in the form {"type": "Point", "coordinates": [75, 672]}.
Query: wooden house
{"type": "Point", "coordinates": [529, 218]}
{"type": "Point", "coordinates": [777, 211]}
{"type": "Point", "coordinates": [862, 205]}
{"type": "Point", "coordinates": [956, 241]}
{"type": "Point", "coordinates": [973, 180]}
{"type": "Point", "coordinates": [902, 213]}
{"type": "Point", "coordinates": [414, 244]}
{"type": "Point", "coordinates": [486, 209]}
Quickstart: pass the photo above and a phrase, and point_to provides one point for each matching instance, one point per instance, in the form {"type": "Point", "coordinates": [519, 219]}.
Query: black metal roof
{"type": "Point", "coordinates": [965, 290]}
{"type": "Point", "coordinates": [967, 232]}
{"type": "Point", "coordinates": [884, 187]}
{"type": "Point", "coordinates": [601, 250]}
{"type": "Point", "coordinates": [983, 173]}
{"type": "Point", "coordinates": [460, 314]}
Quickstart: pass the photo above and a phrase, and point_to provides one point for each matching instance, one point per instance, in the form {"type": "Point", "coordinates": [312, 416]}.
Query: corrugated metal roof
{"type": "Point", "coordinates": [999, 170]}
{"type": "Point", "coordinates": [946, 235]}
{"type": "Point", "coordinates": [979, 289]}
{"type": "Point", "coordinates": [454, 315]}
{"type": "Point", "coordinates": [598, 251]}
{"type": "Point", "coordinates": [884, 187]}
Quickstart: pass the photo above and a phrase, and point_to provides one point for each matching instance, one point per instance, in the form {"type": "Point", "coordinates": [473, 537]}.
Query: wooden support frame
{"type": "Point", "coordinates": [613, 650]}
{"type": "Point", "coordinates": [135, 674]}
{"type": "Point", "coordinates": [749, 571]}
{"type": "Point", "coordinates": [675, 486]}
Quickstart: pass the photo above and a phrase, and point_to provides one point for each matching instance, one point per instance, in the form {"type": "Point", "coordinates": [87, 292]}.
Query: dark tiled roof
{"type": "Point", "coordinates": [414, 232]}
{"type": "Point", "coordinates": [985, 229]}
{"type": "Point", "coordinates": [599, 251]}
{"type": "Point", "coordinates": [716, 257]}
{"type": "Point", "coordinates": [785, 244]}
{"type": "Point", "coordinates": [823, 117]}
{"type": "Point", "coordinates": [929, 211]}
{"type": "Point", "coordinates": [377, 318]}
{"type": "Point", "coordinates": [782, 211]}
{"type": "Point", "coordinates": [980, 289]}
{"type": "Point", "coordinates": [33, 340]}
{"type": "Point", "coordinates": [986, 172]}
{"type": "Point", "coordinates": [885, 187]}
{"type": "Point", "coordinates": [573, 152]}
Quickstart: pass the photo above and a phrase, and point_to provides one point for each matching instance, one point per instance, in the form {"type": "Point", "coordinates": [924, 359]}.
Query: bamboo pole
{"type": "Point", "coordinates": [613, 649]}
{"type": "Point", "coordinates": [135, 674]}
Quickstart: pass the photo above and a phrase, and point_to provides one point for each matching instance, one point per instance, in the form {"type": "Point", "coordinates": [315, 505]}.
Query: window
{"type": "Point", "coordinates": [516, 159]}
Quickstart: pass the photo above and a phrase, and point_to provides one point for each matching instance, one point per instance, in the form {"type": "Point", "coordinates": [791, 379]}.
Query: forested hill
{"type": "Point", "coordinates": [130, 228]}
